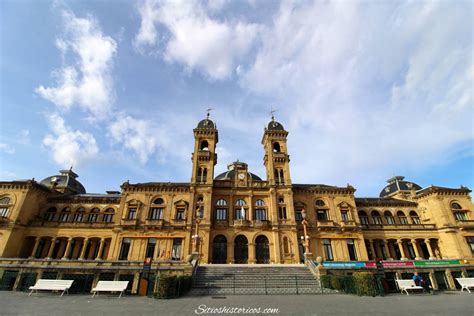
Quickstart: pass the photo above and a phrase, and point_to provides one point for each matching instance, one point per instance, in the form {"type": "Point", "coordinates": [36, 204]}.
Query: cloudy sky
{"type": "Point", "coordinates": [367, 90]}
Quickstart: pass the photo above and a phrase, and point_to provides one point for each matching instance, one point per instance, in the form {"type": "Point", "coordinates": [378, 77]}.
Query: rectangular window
{"type": "Point", "coordinates": [403, 220]}
{"type": "Point", "coordinates": [176, 250]}
{"type": "Point", "coordinates": [238, 213]}
{"type": "Point", "coordinates": [125, 248]}
{"type": "Point", "coordinates": [364, 220]}
{"type": "Point", "coordinates": [282, 212]}
{"type": "Point", "coordinates": [180, 214]}
{"type": "Point", "coordinates": [93, 217]}
{"type": "Point", "coordinates": [156, 213]}
{"type": "Point", "coordinates": [470, 242]}
{"type": "Point", "coordinates": [150, 248]}
{"type": "Point", "coordinates": [389, 220]}
{"type": "Point", "coordinates": [132, 213]}
{"type": "Point", "coordinates": [260, 215]}
{"type": "Point", "coordinates": [328, 249]}
{"type": "Point", "coordinates": [221, 214]}
{"type": "Point", "coordinates": [377, 220]}
{"type": "Point", "coordinates": [78, 217]}
{"type": "Point", "coordinates": [416, 220]}
{"type": "Point", "coordinates": [49, 217]}
{"type": "Point", "coordinates": [3, 211]}
{"type": "Point", "coordinates": [322, 215]}
{"type": "Point", "coordinates": [345, 216]}
{"type": "Point", "coordinates": [460, 216]}
{"type": "Point", "coordinates": [298, 216]}
{"type": "Point", "coordinates": [352, 249]}
{"type": "Point", "coordinates": [64, 217]}
{"type": "Point", "coordinates": [108, 217]}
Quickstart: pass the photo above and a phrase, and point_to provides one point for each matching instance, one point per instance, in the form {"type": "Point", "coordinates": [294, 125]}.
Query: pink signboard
{"type": "Point", "coordinates": [397, 264]}
{"type": "Point", "coordinates": [370, 265]}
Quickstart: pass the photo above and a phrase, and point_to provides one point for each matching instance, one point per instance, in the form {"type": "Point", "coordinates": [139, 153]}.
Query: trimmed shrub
{"type": "Point", "coordinates": [326, 281]}
{"type": "Point", "coordinates": [349, 284]}
{"type": "Point", "coordinates": [337, 282]}
{"type": "Point", "coordinates": [365, 284]}
{"type": "Point", "coordinates": [173, 286]}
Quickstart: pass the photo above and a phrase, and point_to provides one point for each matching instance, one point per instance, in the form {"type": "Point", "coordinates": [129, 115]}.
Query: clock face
{"type": "Point", "coordinates": [241, 176]}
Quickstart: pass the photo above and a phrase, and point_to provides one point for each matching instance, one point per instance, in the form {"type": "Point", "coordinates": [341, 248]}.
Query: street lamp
{"type": "Point", "coordinates": [199, 214]}
{"type": "Point", "coordinates": [306, 237]}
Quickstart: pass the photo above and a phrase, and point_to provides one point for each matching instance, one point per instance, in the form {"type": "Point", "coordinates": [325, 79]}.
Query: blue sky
{"type": "Point", "coordinates": [367, 90]}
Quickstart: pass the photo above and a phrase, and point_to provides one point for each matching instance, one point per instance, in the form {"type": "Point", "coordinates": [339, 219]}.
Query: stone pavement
{"type": "Point", "coordinates": [18, 303]}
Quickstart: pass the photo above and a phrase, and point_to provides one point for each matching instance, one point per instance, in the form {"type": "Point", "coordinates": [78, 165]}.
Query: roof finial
{"type": "Point", "coordinates": [208, 112]}
{"type": "Point", "coordinates": [272, 112]}
{"type": "Point", "coordinates": [72, 164]}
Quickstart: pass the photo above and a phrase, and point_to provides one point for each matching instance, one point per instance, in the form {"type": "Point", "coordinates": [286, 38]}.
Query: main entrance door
{"type": "Point", "coordinates": [219, 249]}
{"type": "Point", "coordinates": [241, 249]}
{"type": "Point", "coordinates": [262, 249]}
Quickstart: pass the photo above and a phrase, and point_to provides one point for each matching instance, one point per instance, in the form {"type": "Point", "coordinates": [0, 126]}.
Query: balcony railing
{"type": "Point", "coordinates": [349, 225]}
{"type": "Point", "coordinates": [241, 223]}
{"type": "Point", "coordinates": [326, 225]}
{"type": "Point", "coordinates": [156, 223]}
{"type": "Point", "coordinates": [261, 224]}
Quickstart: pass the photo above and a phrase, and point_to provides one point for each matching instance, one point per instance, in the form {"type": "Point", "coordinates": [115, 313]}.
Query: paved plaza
{"type": "Point", "coordinates": [18, 303]}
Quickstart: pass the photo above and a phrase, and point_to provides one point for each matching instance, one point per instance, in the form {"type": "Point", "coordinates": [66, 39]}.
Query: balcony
{"type": "Point", "coordinates": [153, 223]}
{"type": "Point", "coordinates": [128, 222]}
{"type": "Point", "coordinates": [326, 225]}
{"type": "Point", "coordinates": [221, 223]}
{"type": "Point", "coordinates": [241, 223]}
{"type": "Point", "coordinates": [349, 225]}
{"type": "Point", "coordinates": [398, 226]}
{"type": "Point", "coordinates": [261, 224]}
{"type": "Point", "coordinates": [467, 224]}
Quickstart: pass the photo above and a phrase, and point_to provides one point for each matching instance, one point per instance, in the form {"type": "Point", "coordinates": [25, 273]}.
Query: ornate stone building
{"type": "Point", "coordinates": [244, 219]}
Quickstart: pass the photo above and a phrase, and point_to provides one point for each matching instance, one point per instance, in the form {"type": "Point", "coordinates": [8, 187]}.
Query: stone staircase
{"type": "Point", "coordinates": [238, 279]}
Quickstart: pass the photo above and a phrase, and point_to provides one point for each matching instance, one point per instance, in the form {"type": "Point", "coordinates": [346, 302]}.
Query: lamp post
{"type": "Point", "coordinates": [199, 214]}
{"type": "Point", "coordinates": [306, 238]}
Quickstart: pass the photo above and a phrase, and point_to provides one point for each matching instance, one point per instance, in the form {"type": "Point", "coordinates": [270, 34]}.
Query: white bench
{"type": "Point", "coordinates": [51, 285]}
{"type": "Point", "coordinates": [110, 286]}
{"type": "Point", "coordinates": [406, 285]}
{"type": "Point", "coordinates": [466, 283]}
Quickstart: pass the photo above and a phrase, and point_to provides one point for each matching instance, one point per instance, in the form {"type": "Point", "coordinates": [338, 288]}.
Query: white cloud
{"type": "Point", "coordinates": [69, 146]}
{"type": "Point", "coordinates": [195, 39]}
{"type": "Point", "coordinates": [136, 135]}
{"type": "Point", "coordinates": [23, 137]}
{"type": "Point", "coordinates": [87, 81]}
{"type": "Point", "coordinates": [7, 149]}
{"type": "Point", "coordinates": [369, 89]}
{"type": "Point", "coordinates": [7, 175]}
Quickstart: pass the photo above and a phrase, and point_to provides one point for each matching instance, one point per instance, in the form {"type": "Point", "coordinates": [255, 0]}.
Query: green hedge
{"type": "Point", "coordinates": [173, 286]}
{"type": "Point", "coordinates": [360, 283]}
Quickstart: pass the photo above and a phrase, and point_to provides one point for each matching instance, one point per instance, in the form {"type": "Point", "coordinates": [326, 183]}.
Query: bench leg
{"type": "Point", "coordinates": [120, 294]}
{"type": "Point", "coordinates": [63, 293]}
{"type": "Point", "coordinates": [93, 295]}
{"type": "Point", "coordinates": [30, 293]}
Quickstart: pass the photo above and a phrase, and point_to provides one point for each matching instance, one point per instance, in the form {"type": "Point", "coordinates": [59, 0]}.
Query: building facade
{"type": "Point", "coordinates": [234, 217]}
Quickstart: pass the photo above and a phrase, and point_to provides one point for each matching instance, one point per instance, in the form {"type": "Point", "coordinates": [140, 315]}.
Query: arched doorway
{"type": "Point", "coordinates": [219, 249]}
{"type": "Point", "coordinates": [241, 249]}
{"type": "Point", "coordinates": [262, 249]}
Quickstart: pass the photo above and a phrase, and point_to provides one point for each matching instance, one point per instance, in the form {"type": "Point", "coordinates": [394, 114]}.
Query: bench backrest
{"type": "Point", "coordinates": [406, 283]}
{"type": "Point", "coordinates": [111, 285]}
{"type": "Point", "coordinates": [53, 283]}
{"type": "Point", "coordinates": [466, 281]}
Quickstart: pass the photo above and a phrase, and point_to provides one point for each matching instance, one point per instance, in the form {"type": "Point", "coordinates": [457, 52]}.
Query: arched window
{"type": "Point", "coordinates": [415, 219]}
{"type": "Point", "coordinates": [50, 214]}
{"type": "Point", "coordinates": [79, 215]}
{"type": "Point", "coordinates": [221, 210]}
{"type": "Point", "coordinates": [281, 208]}
{"type": "Point", "coordinates": [389, 218]}
{"type": "Point", "coordinates": [240, 211]}
{"type": "Point", "coordinates": [109, 215]}
{"type": "Point", "coordinates": [260, 211]}
{"type": "Point", "coordinates": [93, 215]}
{"type": "Point", "coordinates": [221, 202]}
{"type": "Point", "coordinates": [319, 203]}
{"type": "Point", "coordinates": [456, 206]}
{"type": "Point", "coordinates": [402, 219]}
{"type": "Point", "coordinates": [202, 175]}
{"type": "Point", "coordinates": [276, 147]}
{"type": "Point", "coordinates": [4, 206]}
{"type": "Point", "coordinates": [156, 209]}
{"type": "Point", "coordinates": [204, 145]}
{"type": "Point", "coordinates": [158, 201]}
{"type": "Point", "coordinates": [364, 219]}
{"type": "Point", "coordinates": [240, 202]}
{"type": "Point", "coordinates": [64, 216]}
{"type": "Point", "coordinates": [281, 200]}
{"type": "Point", "coordinates": [200, 199]}
{"type": "Point", "coordinates": [376, 219]}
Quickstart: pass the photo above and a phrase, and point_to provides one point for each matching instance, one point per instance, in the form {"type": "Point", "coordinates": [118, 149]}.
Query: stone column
{"type": "Point", "coordinates": [51, 248]}
{"type": "Point", "coordinates": [251, 252]}
{"type": "Point", "coordinates": [83, 250]}
{"type": "Point", "coordinates": [230, 252]}
{"type": "Point", "coordinates": [402, 250]}
{"type": "Point", "coordinates": [449, 279]}
{"type": "Point", "coordinates": [35, 248]}
{"type": "Point", "coordinates": [372, 249]}
{"type": "Point", "coordinates": [430, 250]}
{"type": "Point", "coordinates": [417, 252]}
{"type": "Point", "coordinates": [101, 248]}
{"type": "Point", "coordinates": [387, 251]}
{"type": "Point", "coordinates": [68, 249]}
